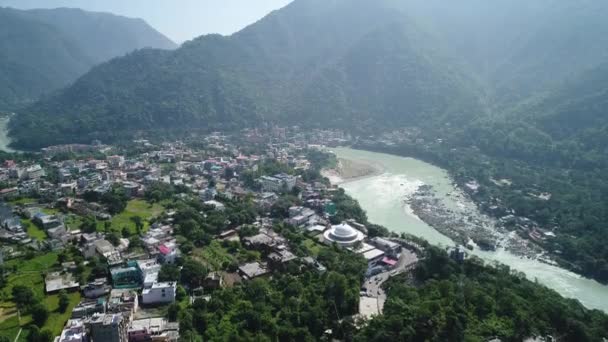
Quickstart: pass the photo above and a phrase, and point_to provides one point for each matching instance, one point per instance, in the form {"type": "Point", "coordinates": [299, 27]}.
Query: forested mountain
{"type": "Point", "coordinates": [340, 63]}
{"type": "Point", "coordinates": [517, 47]}
{"type": "Point", "coordinates": [44, 50]}
{"type": "Point", "coordinates": [314, 62]}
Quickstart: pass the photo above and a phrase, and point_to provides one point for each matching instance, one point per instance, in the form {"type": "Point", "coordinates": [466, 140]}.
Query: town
{"type": "Point", "coordinates": [111, 243]}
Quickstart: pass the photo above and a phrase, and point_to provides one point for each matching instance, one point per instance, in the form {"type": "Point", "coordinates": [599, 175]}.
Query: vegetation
{"type": "Point", "coordinates": [24, 289]}
{"type": "Point", "coordinates": [232, 82]}
{"type": "Point", "coordinates": [575, 209]}
{"type": "Point", "coordinates": [63, 37]}
{"type": "Point", "coordinates": [290, 306]}
{"type": "Point", "coordinates": [473, 302]}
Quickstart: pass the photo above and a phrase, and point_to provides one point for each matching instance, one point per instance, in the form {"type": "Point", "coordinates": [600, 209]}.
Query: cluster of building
{"type": "Point", "coordinates": [114, 320]}
{"type": "Point", "coordinates": [109, 309]}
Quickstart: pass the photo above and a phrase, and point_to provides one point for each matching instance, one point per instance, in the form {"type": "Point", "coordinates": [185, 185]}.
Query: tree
{"type": "Point", "coordinates": [46, 336]}
{"type": "Point", "coordinates": [139, 223]}
{"type": "Point", "coordinates": [113, 238]}
{"type": "Point", "coordinates": [23, 296]}
{"type": "Point", "coordinates": [180, 293]}
{"type": "Point", "coordinates": [62, 257]}
{"type": "Point", "coordinates": [173, 312]}
{"type": "Point", "coordinates": [89, 224]}
{"type": "Point", "coordinates": [168, 273]}
{"type": "Point", "coordinates": [37, 335]}
{"type": "Point", "coordinates": [64, 301]}
{"type": "Point", "coordinates": [280, 209]}
{"type": "Point", "coordinates": [107, 226]}
{"type": "Point", "coordinates": [135, 242]}
{"type": "Point", "coordinates": [126, 233]}
{"type": "Point", "coordinates": [115, 199]}
{"type": "Point", "coordinates": [34, 335]}
{"type": "Point", "coordinates": [40, 314]}
{"type": "Point", "coordinates": [193, 273]}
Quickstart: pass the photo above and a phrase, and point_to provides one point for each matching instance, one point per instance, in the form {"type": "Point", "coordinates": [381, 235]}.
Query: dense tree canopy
{"type": "Point", "coordinates": [472, 302]}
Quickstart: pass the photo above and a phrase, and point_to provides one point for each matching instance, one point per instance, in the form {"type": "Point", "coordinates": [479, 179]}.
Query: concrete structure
{"type": "Point", "coordinates": [74, 331]}
{"type": "Point", "coordinates": [208, 194]}
{"type": "Point", "coordinates": [123, 301]}
{"type": "Point", "coordinates": [56, 281]}
{"type": "Point", "coordinates": [214, 280]}
{"type": "Point", "coordinates": [89, 308]}
{"type": "Point", "coordinates": [373, 255]}
{"type": "Point", "coordinates": [108, 328]}
{"type": "Point", "coordinates": [253, 270]}
{"type": "Point", "coordinates": [97, 288]}
{"type": "Point", "coordinates": [168, 252]}
{"type": "Point", "coordinates": [217, 205]}
{"type": "Point", "coordinates": [310, 261]}
{"type": "Point", "coordinates": [389, 247]}
{"type": "Point", "coordinates": [131, 188]}
{"type": "Point", "coordinates": [148, 270]}
{"type": "Point", "coordinates": [344, 235]}
{"type": "Point", "coordinates": [125, 277]}
{"type": "Point", "coordinates": [34, 172]}
{"type": "Point", "coordinates": [153, 329]}
{"type": "Point", "coordinates": [278, 182]}
{"type": "Point", "coordinates": [159, 293]}
{"type": "Point", "coordinates": [300, 216]}
{"type": "Point", "coordinates": [46, 221]}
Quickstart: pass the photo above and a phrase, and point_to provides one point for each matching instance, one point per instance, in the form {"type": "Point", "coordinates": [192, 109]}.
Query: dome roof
{"type": "Point", "coordinates": [344, 231]}
{"type": "Point", "coordinates": [343, 234]}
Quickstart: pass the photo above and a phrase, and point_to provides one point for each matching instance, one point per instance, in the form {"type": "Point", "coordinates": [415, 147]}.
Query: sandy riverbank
{"type": "Point", "coordinates": [350, 170]}
{"type": "Point", "coordinates": [4, 139]}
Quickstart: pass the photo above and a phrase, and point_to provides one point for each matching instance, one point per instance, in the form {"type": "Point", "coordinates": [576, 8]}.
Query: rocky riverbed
{"type": "Point", "coordinates": [465, 225]}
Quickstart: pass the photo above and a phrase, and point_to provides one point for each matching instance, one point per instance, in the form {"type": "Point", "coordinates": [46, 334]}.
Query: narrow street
{"type": "Point", "coordinates": [373, 285]}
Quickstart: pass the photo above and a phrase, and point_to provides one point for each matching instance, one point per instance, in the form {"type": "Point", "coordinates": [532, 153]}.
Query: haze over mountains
{"type": "Point", "coordinates": [44, 50]}
{"type": "Point", "coordinates": [341, 63]}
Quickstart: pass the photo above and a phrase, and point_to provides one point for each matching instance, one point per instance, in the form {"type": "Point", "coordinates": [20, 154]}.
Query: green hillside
{"type": "Point", "coordinates": [314, 62]}
{"type": "Point", "coordinates": [44, 50]}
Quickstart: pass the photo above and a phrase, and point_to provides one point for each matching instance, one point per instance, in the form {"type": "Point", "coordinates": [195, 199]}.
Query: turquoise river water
{"type": "Point", "coordinates": [382, 197]}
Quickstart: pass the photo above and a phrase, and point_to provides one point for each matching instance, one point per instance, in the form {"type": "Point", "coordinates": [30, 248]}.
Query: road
{"type": "Point", "coordinates": [373, 285]}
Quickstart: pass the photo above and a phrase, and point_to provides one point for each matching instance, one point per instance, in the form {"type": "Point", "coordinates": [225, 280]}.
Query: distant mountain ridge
{"type": "Point", "coordinates": [306, 63]}
{"type": "Point", "coordinates": [340, 63]}
{"type": "Point", "coordinates": [44, 50]}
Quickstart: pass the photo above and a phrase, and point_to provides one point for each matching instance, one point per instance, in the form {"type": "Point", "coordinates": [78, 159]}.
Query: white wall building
{"type": "Point", "coordinates": [34, 172]}
{"type": "Point", "coordinates": [278, 182]}
{"type": "Point", "coordinates": [159, 293]}
{"type": "Point", "coordinates": [74, 331]}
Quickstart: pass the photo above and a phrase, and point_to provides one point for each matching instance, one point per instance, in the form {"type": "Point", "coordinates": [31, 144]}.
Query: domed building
{"type": "Point", "coordinates": [344, 235]}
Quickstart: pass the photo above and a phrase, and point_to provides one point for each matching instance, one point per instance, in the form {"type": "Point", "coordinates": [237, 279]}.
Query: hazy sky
{"type": "Point", "coordinates": [180, 20]}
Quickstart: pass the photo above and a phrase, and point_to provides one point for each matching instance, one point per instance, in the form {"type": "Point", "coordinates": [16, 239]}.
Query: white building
{"type": "Point", "coordinates": [217, 205]}
{"type": "Point", "coordinates": [159, 293]}
{"type": "Point", "coordinates": [34, 172]}
{"type": "Point", "coordinates": [168, 252]}
{"type": "Point", "coordinates": [389, 247]}
{"type": "Point", "coordinates": [74, 331]}
{"type": "Point", "coordinates": [149, 271]}
{"type": "Point", "coordinates": [344, 235]}
{"type": "Point", "coordinates": [278, 182]}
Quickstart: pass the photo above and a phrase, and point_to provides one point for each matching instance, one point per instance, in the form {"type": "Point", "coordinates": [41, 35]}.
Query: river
{"type": "Point", "coordinates": [4, 139]}
{"type": "Point", "coordinates": [382, 197]}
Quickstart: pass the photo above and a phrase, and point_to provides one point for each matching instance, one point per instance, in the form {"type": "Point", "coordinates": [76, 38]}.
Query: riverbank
{"type": "Point", "coordinates": [349, 170]}
{"type": "Point", "coordinates": [466, 225]}
{"type": "Point", "coordinates": [385, 198]}
{"type": "Point", "coordinates": [453, 215]}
